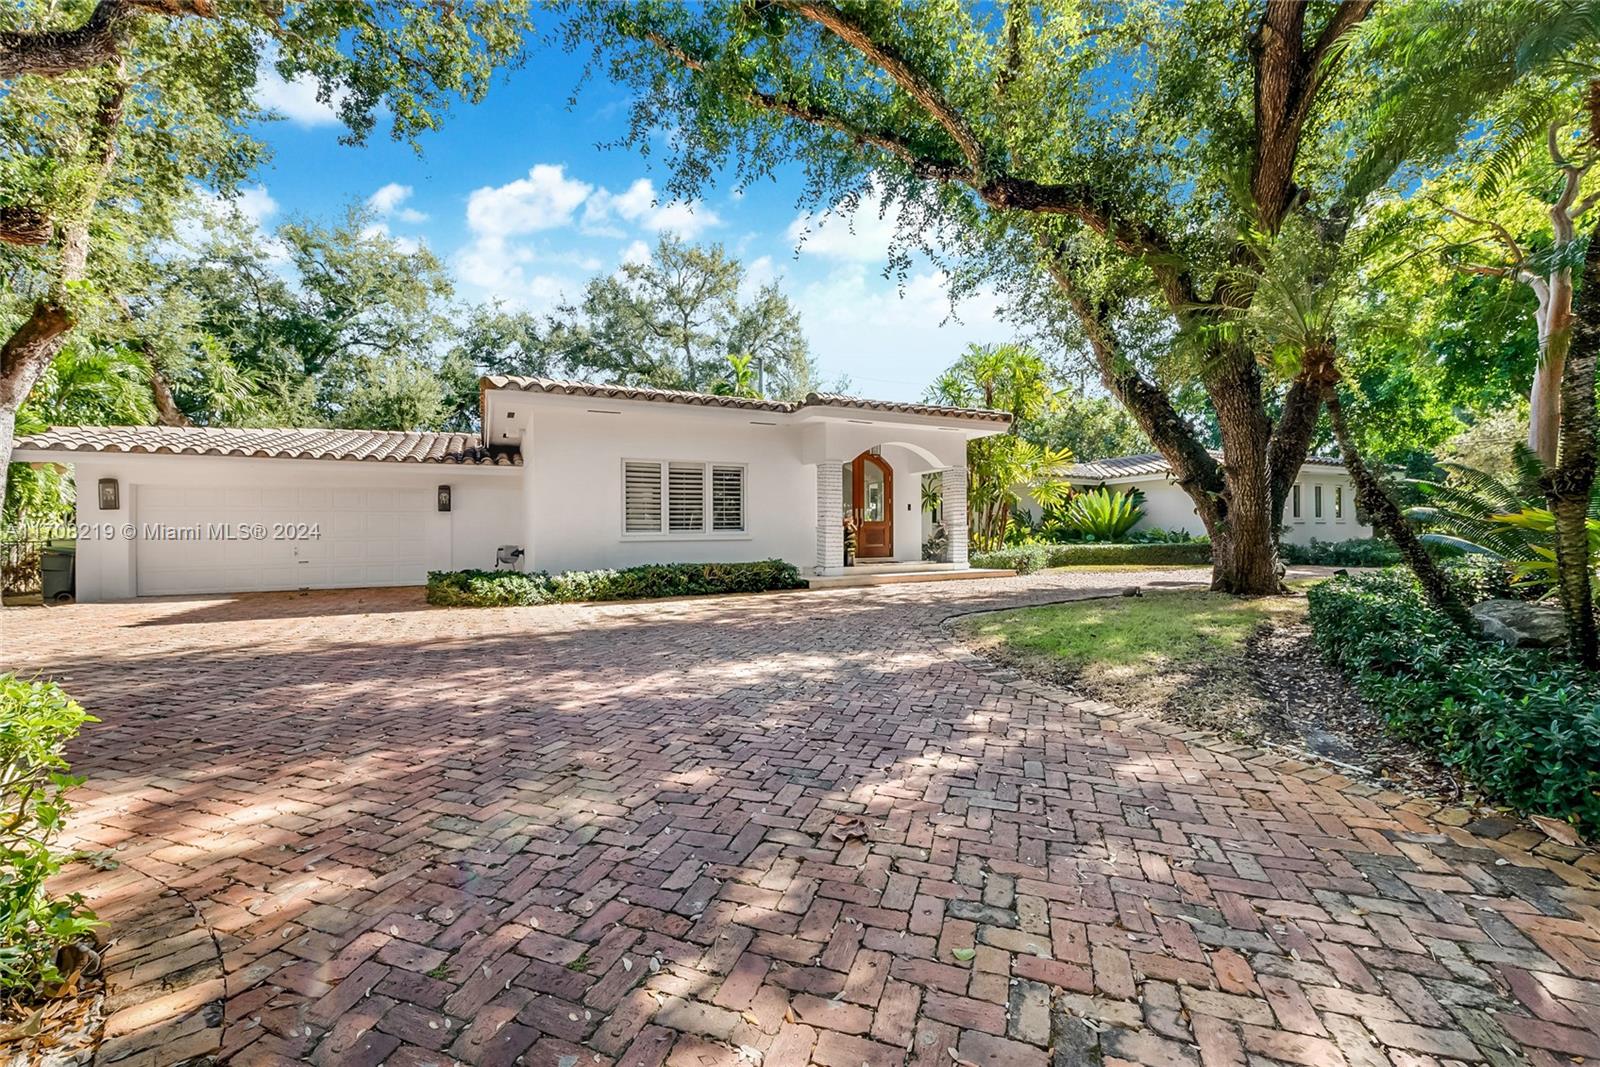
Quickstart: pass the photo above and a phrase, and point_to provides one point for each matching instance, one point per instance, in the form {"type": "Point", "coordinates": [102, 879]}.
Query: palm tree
{"type": "Point", "coordinates": [1014, 379]}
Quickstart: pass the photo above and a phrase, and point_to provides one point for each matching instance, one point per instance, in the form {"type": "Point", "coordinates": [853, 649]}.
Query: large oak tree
{"type": "Point", "coordinates": [1123, 155]}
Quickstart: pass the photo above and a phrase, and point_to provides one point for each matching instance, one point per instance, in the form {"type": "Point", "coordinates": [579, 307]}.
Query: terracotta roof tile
{"type": "Point", "coordinates": [1148, 464]}
{"type": "Point", "coordinates": [563, 387]}
{"type": "Point", "coordinates": [371, 446]}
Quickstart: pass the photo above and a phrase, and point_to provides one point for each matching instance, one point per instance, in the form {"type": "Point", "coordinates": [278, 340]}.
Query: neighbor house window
{"type": "Point", "coordinates": [1316, 501]}
{"type": "Point", "coordinates": [1338, 501]}
{"type": "Point", "coordinates": [1294, 501]}
{"type": "Point", "coordinates": [682, 498]}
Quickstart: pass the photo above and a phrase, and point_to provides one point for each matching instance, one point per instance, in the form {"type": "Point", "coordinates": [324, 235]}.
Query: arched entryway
{"type": "Point", "coordinates": [869, 497]}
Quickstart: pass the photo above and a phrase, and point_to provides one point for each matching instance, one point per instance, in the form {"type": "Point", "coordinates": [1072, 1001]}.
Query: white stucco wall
{"type": "Point", "coordinates": [1168, 507]}
{"type": "Point", "coordinates": [572, 473]}
{"type": "Point", "coordinates": [485, 507]}
{"type": "Point", "coordinates": [573, 477]}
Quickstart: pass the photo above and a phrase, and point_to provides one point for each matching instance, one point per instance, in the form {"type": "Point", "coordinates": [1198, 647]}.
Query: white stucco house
{"type": "Point", "coordinates": [1321, 505]}
{"type": "Point", "coordinates": [575, 475]}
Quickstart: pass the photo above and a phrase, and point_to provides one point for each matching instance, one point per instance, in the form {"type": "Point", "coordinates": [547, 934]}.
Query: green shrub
{"type": "Point", "coordinates": [1099, 514]}
{"type": "Point", "coordinates": [513, 588]}
{"type": "Point", "coordinates": [1025, 559]}
{"type": "Point", "coordinates": [1522, 724]}
{"type": "Point", "coordinates": [1356, 552]}
{"type": "Point", "coordinates": [36, 721]}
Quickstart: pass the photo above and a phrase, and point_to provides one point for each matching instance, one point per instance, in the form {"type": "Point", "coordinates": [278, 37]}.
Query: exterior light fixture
{"type": "Point", "coordinates": [110, 498]}
{"type": "Point", "coordinates": [444, 498]}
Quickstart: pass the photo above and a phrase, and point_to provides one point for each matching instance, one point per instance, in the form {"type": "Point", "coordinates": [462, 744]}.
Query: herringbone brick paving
{"type": "Point", "coordinates": [800, 828]}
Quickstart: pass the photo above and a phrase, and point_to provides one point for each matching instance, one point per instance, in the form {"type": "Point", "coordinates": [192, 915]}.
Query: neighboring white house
{"type": "Point", "coordinates": [577, 476]}
{"type": "Point", "coordinates": [1321, 505]}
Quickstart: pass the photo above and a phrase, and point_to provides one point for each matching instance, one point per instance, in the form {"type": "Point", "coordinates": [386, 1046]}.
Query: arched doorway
{"type": "Point", "coordinates": [869, 496]}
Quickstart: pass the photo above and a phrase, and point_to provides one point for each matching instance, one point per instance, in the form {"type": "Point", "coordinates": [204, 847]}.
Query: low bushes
{"type": "Point", "coordinates": [36, 721]}
{"type": "Point", "coordinates": [1024, 559]}
{"type": "Point", "coordinates": [1356, 552]}
{"type": "Point", "coordinates": [1521, 724]}
{"type": "Point", "coordinates": [511, 588]}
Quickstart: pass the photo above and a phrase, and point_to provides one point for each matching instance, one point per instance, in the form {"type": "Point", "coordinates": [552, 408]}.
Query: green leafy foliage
{"type": "Point", "coordinates": [1521, 724]}
{"type": "Point", "coordinates": [1501, 516]}
{"type": "Point", "coordinates": [36, 720]}
{"type": "Point", "coordinates": [672, 321]}
{"type": "Point", "coordinates": [1027, 558]}
{"type": "Point", "coordinates": [1087, 428]}
{"type": "Point", "coordinates": [1099, 514]}
{"type": "Point", "coordinates": [474, 588]}
{"type": "Point", "coordinates": [1356, 552]}
{"type": "Point", "coordinates": [1014, 379]}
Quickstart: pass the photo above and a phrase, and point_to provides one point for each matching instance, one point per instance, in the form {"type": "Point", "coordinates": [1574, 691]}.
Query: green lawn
{"type": "Point", "coordinates": [1180, 650]}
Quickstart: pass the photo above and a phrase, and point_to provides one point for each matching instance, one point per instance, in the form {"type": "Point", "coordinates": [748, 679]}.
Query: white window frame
{"type": "Point", "coordinates": [665, 533]}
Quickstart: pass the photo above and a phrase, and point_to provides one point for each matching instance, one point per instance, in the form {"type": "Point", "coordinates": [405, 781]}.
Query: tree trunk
{"type": "Point", "coordinates": [167, 411]}
{"type": "Point", "coordinates": [35, 344]}
{"type": "Point", "coordinates": [1244, 539]}
{"type": "Point", "coordinates": [97, 40]}
{"type": "Point", "coordinates": [1568, 484]}
{"type": "Point", "coordinates": [1544, 402]}
{"type": "Point", "coordinates": [1386, 515]}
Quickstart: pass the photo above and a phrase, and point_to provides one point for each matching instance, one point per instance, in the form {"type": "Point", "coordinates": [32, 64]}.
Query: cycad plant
{"type": "Point", "coordinates": [1501, 517]}
{"type": "Point", "coordinates": [1099, 514]}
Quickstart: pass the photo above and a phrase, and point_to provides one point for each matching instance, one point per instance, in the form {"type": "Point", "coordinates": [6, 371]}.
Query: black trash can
{"type": "Point", "coordinates": [58, 572]}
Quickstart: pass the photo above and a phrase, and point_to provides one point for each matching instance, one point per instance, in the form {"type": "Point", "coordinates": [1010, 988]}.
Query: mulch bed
{"type": "Point", "coordinates": [1304, 702]}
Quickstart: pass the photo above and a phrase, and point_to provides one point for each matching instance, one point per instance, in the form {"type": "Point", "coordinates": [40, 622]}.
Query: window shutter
{"type": "Point", "coordinates": [727, 499]}
{"type": "Point", "coordinates": [641, 497]}
{"type": "Point", "coordinates": [686, 497]}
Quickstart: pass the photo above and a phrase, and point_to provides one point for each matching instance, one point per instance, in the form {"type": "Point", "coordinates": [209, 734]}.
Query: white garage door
{"type": "Point", "coordinates": [233, 539]}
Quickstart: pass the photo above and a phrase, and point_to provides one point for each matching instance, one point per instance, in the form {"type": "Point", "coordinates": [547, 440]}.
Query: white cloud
{"type": "Point", "coordinates": [637, 252]}
{"type": "Point", "coordinates": [295, 100]}
{"type": "Point", "coordinates": [637, 204]}
{"type": "Point", "coordinates": [406, 245]}
{"type": "Point", "coordinates": [543, 200]}
{"type": "Point", "coordinates": [390, 200]}
{"type": "Point", "coordinates": [891, 340]}
{"type": "Point", "coordinates": [252, 203]}
{"type": "Point", "coordinates": [859, 236]}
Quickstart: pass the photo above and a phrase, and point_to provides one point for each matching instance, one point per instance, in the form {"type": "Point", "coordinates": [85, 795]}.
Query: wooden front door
{"type": "Point", "coordinates": [872, 496]}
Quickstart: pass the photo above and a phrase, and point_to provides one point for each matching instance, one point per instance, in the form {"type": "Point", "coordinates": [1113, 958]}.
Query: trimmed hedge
{"type": "Point", "coordinates": [1025, 559]}
{"type": "Point", "coordinates": [1356, 552]}
{"type": "Point", "coordinates": [1522, 724]}
{"type": "Point", "coordinates": [514, 588]}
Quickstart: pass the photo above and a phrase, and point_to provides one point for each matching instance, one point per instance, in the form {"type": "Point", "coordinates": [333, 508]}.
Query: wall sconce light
{"type": "Point", "coordinates": [109, 497]}
{"type": "Point", "coordinates": [444, 498]}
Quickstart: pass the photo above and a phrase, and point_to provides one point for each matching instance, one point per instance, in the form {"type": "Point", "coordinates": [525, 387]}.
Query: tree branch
{"type": "Point", "coordinates": [1002, 191]}
{"type": "Point", "coordinates": [816, 116]}
{"type": "Point", "coordinates": [98, 40]}
{"type": "Point", "coordinates": [1196, 472]}
{"type": "Point", "coordinates": [20, 225]}
{"type": "Point", "coordinates": [1292, 433]}
{"type": "Point", "coordinates": [1287, 80]}
{"type": "Point", "coordinates": [888, 59]}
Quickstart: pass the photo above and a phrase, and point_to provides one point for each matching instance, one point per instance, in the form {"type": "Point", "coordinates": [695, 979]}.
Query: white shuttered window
{"type": "Point", "coordinates": [727, 499]}
{"type": "Point", "coordinates": [686, 497]}
{"type": "Point", "coordinates": [682, 499]}
{"type": "Point", "coordinates": [641, 488]}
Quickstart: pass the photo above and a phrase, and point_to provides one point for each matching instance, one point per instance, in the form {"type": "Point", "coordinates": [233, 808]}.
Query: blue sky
{"type": "Point", "coordinates": [519, 199]}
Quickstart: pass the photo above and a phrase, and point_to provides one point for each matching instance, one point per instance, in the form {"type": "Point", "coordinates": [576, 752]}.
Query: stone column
{"type": "Point", "coordinates": [953, 503]}
{"type": "Point", "coordinates": [830, 518]}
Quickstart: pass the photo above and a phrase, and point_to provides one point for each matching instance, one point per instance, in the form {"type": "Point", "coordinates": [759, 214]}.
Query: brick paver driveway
{"type": "Point", "coordinates": [780, 829]}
